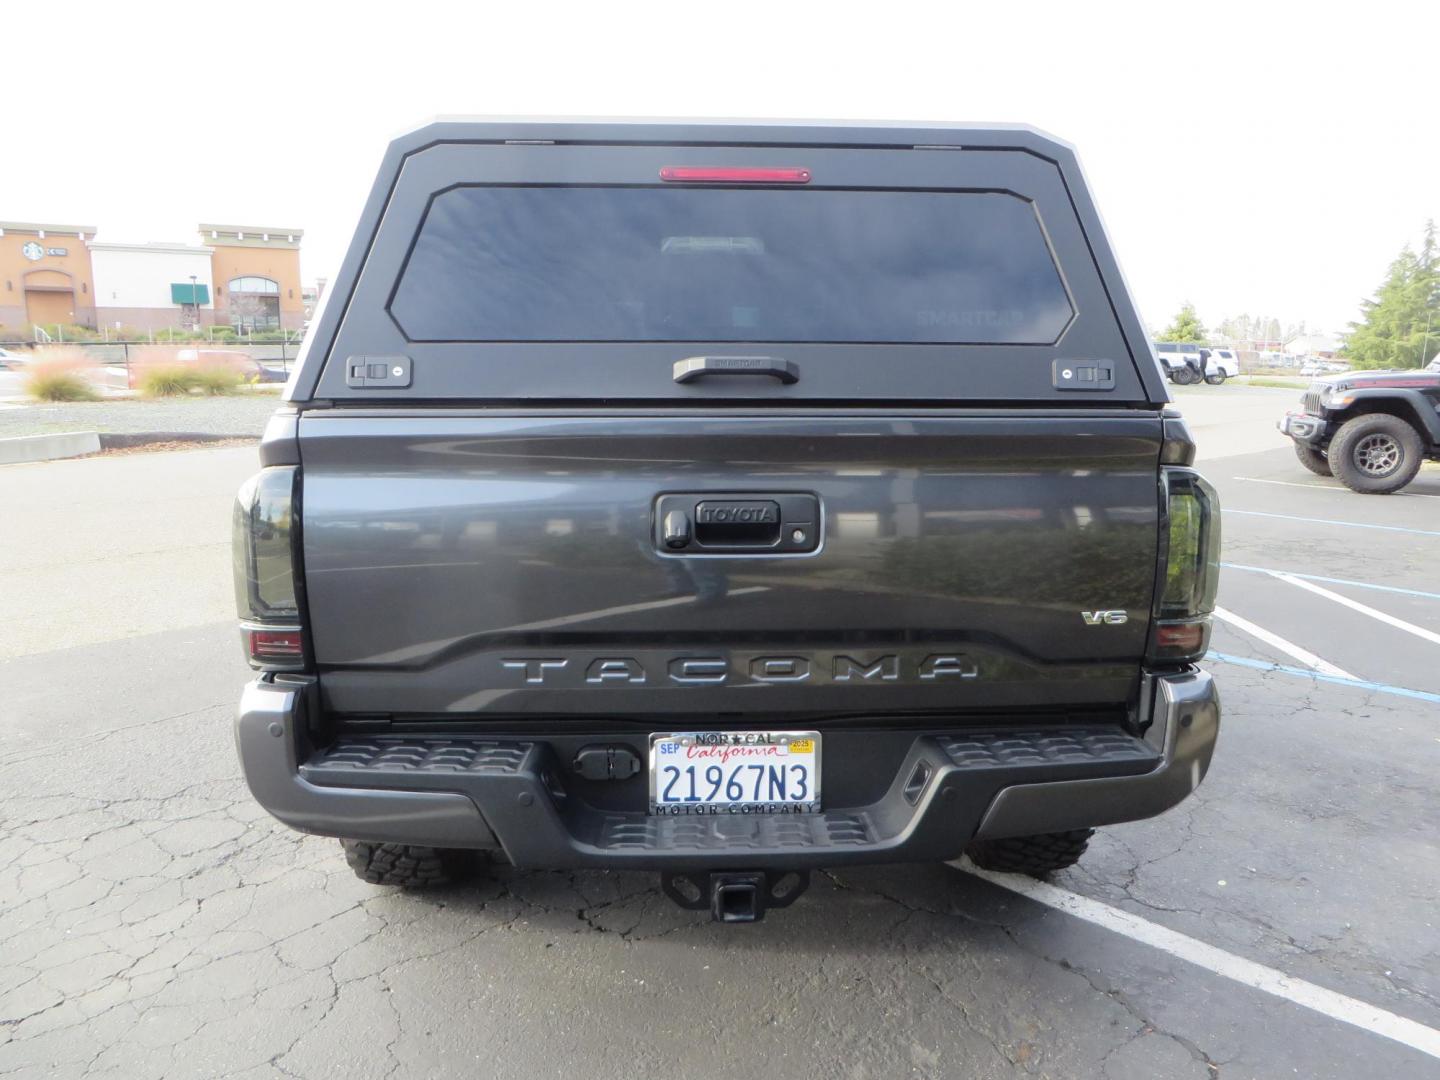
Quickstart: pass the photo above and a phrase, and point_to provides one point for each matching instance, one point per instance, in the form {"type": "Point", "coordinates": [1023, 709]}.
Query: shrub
{"type": "Point", "coordinates": [60, 378]}
{"type": "Point", "coordinates": [216, 379]}
{"type": "Point", "coordinates": [167, 380]}
{"type": "Point", "coordinates": [173, 334]}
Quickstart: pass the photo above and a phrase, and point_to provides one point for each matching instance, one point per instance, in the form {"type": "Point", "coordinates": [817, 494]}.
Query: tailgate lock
{"type": "Point", "coordinates": [749, 524]}
{"type": "Point", "coordinates": [676, 529]}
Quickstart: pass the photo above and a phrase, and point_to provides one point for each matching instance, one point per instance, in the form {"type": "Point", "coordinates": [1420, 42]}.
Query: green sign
{"type": "Point", "coordinates": [185, 293]}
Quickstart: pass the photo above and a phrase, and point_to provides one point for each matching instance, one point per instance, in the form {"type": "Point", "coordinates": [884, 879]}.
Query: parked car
{"type": "Point", "coordinates": [11, 358]}
{"type": "Point", "coordinates": [1181, 361]}
{"type": "Point", "coordinates": [1371, 430]}
{"type": "Point", "coordinates": [642, 526]}
{"type": "Point", "coordinates": [1220, 364]}
{"type": "Point", "coordinates": [249, 369]}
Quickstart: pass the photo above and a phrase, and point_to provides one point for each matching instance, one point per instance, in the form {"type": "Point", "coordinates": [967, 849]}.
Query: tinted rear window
{"type": "Point", "coordinates": [530, 263]}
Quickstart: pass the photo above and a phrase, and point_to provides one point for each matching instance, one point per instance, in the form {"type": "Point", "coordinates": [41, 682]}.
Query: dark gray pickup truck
{"type": "Point", "coordinates": [727, 500]}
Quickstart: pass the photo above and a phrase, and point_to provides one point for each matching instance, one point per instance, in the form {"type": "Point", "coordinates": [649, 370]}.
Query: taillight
{"type": "Point", "coordinates": [682, 174]}
{"type": "Point", "coordinates": [1190, 568]}
{"type": "Point", "coordinates": [267, 645]}
{"type": "Point", "coordinates": [267, 586]}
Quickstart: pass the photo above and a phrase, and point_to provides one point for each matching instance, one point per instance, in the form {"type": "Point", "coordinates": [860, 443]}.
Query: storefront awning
{"type": "Point", "coordinates": [182, 292]}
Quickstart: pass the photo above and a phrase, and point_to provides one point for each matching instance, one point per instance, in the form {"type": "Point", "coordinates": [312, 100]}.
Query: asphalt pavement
{"type": "Point", "coordinates": [1281, 923]}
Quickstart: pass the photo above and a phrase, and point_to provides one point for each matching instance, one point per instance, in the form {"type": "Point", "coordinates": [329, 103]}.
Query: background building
{"type": "Point", "coordinates": [45, 275]}
{"type": "Point", "coordinates": [243, 276]}
{"type": "Point", "coordinates": [256, 272]}
{"type": "Point", "coordinates": [152, 286]}
{"type": "Point", "coordinates": [310, 296]}
{"type": "Point", "coordinates": [1324, 346]}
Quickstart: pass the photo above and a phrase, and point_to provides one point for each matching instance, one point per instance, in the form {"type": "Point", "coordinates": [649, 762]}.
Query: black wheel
{"type": "Point", "coordinates": [1033, 855]}
{"type": "Point", "coordinates": [1311, 458]}
{"type": "Point", "coordinates": [408, 866]}
{"type": "Point", "coordinates": [1216, 378]}
{"type": "Point", "coordinates": [1375, 454]}
{"type": "Point", "coordinates": [1186, 375]}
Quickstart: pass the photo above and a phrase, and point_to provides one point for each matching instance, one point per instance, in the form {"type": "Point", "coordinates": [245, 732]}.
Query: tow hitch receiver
{"type": "Point", "coordinates": [735, 896]}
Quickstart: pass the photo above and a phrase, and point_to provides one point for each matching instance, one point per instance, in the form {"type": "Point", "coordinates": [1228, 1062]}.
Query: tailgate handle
{"type": "Point", "coordinates": [697, 367]}
{"type": "Point", "coordinates": [750, 523]}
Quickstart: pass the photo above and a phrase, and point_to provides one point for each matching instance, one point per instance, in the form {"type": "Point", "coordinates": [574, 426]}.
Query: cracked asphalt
{"type": "Point", "coordinates": [154, 922]}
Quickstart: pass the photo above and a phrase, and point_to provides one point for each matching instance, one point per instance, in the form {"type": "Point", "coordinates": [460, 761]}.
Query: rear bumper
{"type": "Point", "coordinates": [511, 794]}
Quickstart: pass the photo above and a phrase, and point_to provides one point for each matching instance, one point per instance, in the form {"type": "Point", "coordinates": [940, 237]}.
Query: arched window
{"type": "Point", "coordinates": [254, 303]}
{"type": "Point", "coordinates": [259, 286]}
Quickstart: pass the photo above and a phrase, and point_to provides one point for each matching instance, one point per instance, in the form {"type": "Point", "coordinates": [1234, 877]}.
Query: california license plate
{"type": "Point", "coordinates": [735, 772]}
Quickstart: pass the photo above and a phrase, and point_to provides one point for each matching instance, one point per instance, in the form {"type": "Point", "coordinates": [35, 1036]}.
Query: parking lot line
{"type": "Point", "coordinates": [1327, 487]}
{"type": "Point", "coordinates": [1355, 605]}
{"type": "Point", "coordinates": [1333, 580]}
{"type": "Point", "coordinates": [1329, 521]}
{"type": "Point", "coordinates": [1304, 673]}
{"type": "Point", "coordinates": [1305, 656]}
{"type": "Point", "coordinates": [1329, 1003]}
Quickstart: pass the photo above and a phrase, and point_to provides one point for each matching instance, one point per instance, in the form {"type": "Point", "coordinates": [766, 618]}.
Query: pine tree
{"type": "Point", "coordinates": [1400, 327]}
{"type": "Point", "coordinates": [1186, 326]}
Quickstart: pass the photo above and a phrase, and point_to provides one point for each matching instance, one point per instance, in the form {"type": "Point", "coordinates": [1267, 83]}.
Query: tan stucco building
{"type": "Point", "coordinates": [45, 275]}
{"type": "Point", "coordinates": [257, 276]}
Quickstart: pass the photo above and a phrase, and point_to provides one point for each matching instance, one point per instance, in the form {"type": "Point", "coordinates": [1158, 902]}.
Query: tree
{"type": "Point", "coordinates": [1400, 327]}
{"type": "Point", "coordinates": [1186, 326]}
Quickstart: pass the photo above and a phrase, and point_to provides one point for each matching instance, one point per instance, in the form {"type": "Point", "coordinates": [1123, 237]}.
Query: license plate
{"type": "Point", "coordinates": [735, 772]}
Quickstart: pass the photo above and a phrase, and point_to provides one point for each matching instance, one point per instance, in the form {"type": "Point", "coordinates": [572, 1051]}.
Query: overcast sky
{"type": "Point", "coordinates": [1248, 161]}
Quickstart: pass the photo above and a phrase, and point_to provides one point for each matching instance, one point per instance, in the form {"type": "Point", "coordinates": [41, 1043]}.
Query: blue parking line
{"type": "Point", "coordinates": [1328, 521]}
{"type": "Point", "coordinates": [1306, 673]}
{"type": "Point", "coordinates": [1334, 580]}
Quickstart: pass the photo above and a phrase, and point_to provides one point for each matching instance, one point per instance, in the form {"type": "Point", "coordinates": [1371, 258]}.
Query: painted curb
{"type": "Point", "coordinates": [118, 440]}
{"type": "Point", "coordinates": [66, 444]}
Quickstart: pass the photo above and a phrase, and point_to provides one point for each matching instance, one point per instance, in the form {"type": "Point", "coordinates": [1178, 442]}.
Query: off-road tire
{"type": "Point", "coordinates": [1185, 376]}
{"type": "Point", "coordinates": [1376, 453]}
{"type": "Point", "coordinates": [408, 866]}
{"type": "Point", "coordinates": [1033, 855]}
{"type": "Point", "coordinates": [1311, 458]}
{"type": "Point", "coordinates": [1215, 379]}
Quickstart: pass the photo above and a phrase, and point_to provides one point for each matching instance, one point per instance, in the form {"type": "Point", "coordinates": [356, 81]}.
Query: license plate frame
{"type": "Point", "coordinates": [735, 753]}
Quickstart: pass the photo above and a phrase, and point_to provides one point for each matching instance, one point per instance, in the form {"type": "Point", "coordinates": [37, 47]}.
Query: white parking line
{"type": "Point", "coordinates": [1337, 1006]}
{"type": "Point", "coordinates": [1327, 487]}
{"type": "Point", "coordinates": [1355, 605]}
{"type": "Point", "coordinates": [1329, 521]}
{"type": "Point", "coordinates": [1334, 580]}
{"type": "Point", "coordinates": [1289, 648]}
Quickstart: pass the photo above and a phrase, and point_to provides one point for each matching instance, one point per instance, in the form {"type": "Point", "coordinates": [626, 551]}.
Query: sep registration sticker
{"type": "Point", "coordinates": [735, 772]}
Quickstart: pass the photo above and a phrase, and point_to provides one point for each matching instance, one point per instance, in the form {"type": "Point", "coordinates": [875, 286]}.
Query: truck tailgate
{"type": "Point", "coordinates": [460, 562]}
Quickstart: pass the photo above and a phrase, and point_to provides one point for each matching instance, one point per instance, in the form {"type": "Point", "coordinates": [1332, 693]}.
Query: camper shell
{"type": "Point", "coordinates": [616, 441]}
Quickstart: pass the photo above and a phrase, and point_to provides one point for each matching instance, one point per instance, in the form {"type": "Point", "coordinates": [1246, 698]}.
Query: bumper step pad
{"type": "Point", "coordinates": [1082, 747]}
{"type": "Point", "coordinates": [405, 756]}
{"type": "Point", "coordinates": [730, 833]}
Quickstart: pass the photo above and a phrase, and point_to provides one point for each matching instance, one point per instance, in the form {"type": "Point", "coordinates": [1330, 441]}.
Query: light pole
{"type": "Point", "coordinates": [195, 300]}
